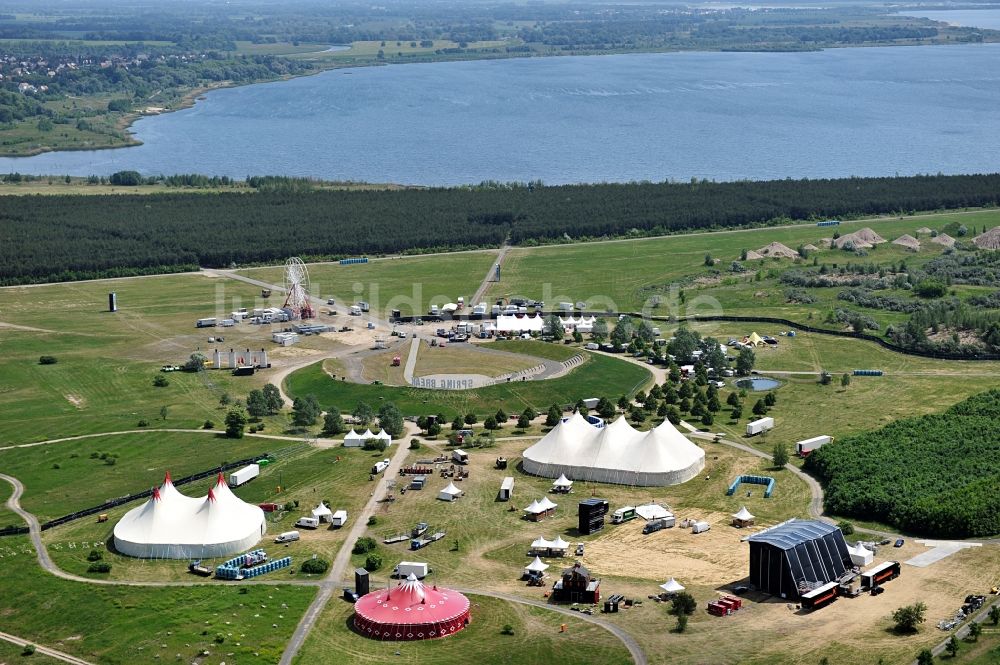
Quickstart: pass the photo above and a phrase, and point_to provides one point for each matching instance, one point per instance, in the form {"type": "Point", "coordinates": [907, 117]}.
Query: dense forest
{"type": "Point", "coordinates": [935, 476]}
{"type": "Point", "coordinates": [75, 237]}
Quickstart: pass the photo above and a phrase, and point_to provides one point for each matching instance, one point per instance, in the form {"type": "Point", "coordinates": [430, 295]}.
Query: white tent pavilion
{"type": "Point", "coordinates": [743, 518]}
{"type": "Point", "coordinates": [672, 586]}
{"type": "Point", "coordinates": [860, 555]}
{"type": "Point", "coordinates": [617, 453]}
{"type": "Point", "coordinates": [559, 544]}
{"type": "Point", "coordinates": [449, 493]}
{"type": "Point", "coordinates": [545, 504]}
{"type": "Point", "coordinates": [652, 511]}
{"type": "Point", "coordinates": [536, 566]}
{"type": "Point", "coordinates": [170, 525]}
{"type": "Point", "coordinates": [541, 543]}
{"type": "Point", "coordinates": [519, 323]}
{"type": "Point", "coordinates": [353, 440]}
{"type": "Point", "coordinates": [562, 484]}
{"type": "Point", "coordinates": [584, 324]}
{"type": "Point", "coordinates": [322, 513]}
{"type": "Point", "coordinates": [384, 436]}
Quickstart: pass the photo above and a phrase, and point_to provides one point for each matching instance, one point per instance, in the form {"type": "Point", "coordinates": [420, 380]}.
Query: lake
{"type": "Point", "coordinates": [723, 116]}
{"type": "Point", "coordinates": [971, 18]}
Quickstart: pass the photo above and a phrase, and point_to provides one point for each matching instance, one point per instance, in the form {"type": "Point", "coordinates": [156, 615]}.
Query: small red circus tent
{"type": "Point", "coordinates": [411, 611]}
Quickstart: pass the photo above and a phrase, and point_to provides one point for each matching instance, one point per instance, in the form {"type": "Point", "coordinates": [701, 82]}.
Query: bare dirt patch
{"type": "Point", "coordinates": [76, 400]}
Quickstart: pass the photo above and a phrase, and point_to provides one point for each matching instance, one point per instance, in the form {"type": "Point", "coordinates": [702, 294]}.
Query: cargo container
{"type": "Point", "coordinates": [246, 474]}
{"type": "Point", "coordinates": [406, 568]}
{"type": "Point", "coordinates": [459, 456]}
{"type": "Point", "coordinates": [506, 488]}
{"type": "Point", "coordinates": [339, 518]}
{"type": "Point", "coordinates": [759, 426]}
{"type": "Point", "coordinates": [820, 596]}
{"type": "Point", "coordinates": [806, 446]}
{"type": "Point", "coordinates": [205, 323]}
{"type": "Point", "coordinates": [880, 574]}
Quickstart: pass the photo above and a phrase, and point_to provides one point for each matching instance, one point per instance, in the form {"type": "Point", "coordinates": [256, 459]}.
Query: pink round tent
{"type": "Point", "coordinates": [411, 611]}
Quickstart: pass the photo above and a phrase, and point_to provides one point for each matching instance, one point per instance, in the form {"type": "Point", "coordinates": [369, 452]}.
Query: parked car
{"type": "Point", "coordinates": [898, 543]}
{"type": "Point", "coordinates": [579, 549]}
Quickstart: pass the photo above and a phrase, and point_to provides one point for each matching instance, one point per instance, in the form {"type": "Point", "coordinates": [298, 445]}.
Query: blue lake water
{"type": "Point", "coordinates": [971, 18]}
{"type": "Point", "coordinates": [758, 384]}
{"type": "Point", "coordinates": [724, 116]}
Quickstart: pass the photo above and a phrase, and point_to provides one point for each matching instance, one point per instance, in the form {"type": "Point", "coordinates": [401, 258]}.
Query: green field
{"type": "Point", "coordinates": [629, 275]}
{"type": "Point", "coordinates": [536, 639]}
{"type": "Point", "coordinates": [10, 653]}
{"type": "Point", "coordinates": [410, 284]}
{"type": "Point", "coordinates": [532, 347]}
{"type": "Point", "coordinates": [598, 376]}
{"type": "Point", "coordinates": [124, 625]}
{"type": "Point", "coordinates": [7, 516]}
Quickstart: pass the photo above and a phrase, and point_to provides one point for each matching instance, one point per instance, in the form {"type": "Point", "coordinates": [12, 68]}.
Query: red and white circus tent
{"type": "Point", "coordinates": [171, 525]}
{"type": "Point", "coordinates": [411, 611]}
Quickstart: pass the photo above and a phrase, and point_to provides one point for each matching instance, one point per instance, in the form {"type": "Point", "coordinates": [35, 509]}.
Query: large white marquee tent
{"type": "Point", "coordinates": [617, 453]}
{"type": "Point", "coordinates": [171, 525]}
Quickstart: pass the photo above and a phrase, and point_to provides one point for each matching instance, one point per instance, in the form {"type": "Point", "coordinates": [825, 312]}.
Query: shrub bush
{"type": "Point", "coordinates": [315, 566]}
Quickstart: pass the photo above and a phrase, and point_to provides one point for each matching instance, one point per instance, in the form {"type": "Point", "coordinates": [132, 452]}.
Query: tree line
{"type": "Point", "coordinates": [81, 236]}
{"type": "Point", "coordinates": [935, 475]}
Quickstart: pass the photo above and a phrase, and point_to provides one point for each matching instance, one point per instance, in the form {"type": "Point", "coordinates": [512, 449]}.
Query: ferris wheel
{"type": "Point", "coordinates": [297, 288]}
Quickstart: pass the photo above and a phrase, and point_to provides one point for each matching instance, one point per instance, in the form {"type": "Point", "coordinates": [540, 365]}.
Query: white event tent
{"type": "Point", "coordinates": [322, 513]}
{"type": "Point", "coordinates": [170, 525]}
{"type": "Point", "coordinates": [536, 566]}
{"type": "Point", "coordinates": [520, 323]}
{"type": "Point", "coordinates": [355, 440]}
{"type": "Point", "coordinates": [562, 484]}
{"type": "Point", "coordinates": [672, 586]}
{"type": "Point", "coordinates": [449, 493]}
{"type": "Point", "coordinates": [617, 453]}
{"type": "Point", "coordinates": [652, 511]}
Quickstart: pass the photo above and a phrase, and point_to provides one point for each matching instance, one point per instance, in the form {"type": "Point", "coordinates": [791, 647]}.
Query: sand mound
{"type": "Point", "coordinates": [907, 241]}
{"type": "Point", "coordinates": [923, 230]}
{"type": "Point", "coordinates": [810, 248]}
{"type": "Point", "coordinates": [776, 249]}
{"type": "Point", "coordinates": [860, 239]}
{"type": "Point", "coordinates": [753, 256]}
{"type": "Point", "coordinates": [988, 240]}
{"type": "Point", "coordinates": [826, 242]}
{"type": "Point", "coordinates": [944, 239]}
{"type": "Point", "coordinates": [869, 236]}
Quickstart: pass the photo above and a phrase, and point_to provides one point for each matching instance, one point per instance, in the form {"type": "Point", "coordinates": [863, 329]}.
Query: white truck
{"type": "Point", "coordinates": [806, 446]}
{"type": "Point", "coordinates": [759, 426]}
{"type": "Point", "coordinates": [700, 527]}
{"type": "Point", "coordinates": [287, 537]}
{"type": "Point", "coordinates": [339, 518]}
{"type": "Point", "coordinates": [308, 522]}
{"type": "Point", "coordinates": [380, 466]}
{"type": "Point", "coordinates": [459, 456]}
{"type": "Point", "coordinates": [205, 323]}
{"type": "Point", "coordinates": [405, 568]}
{"type": "Point", "coordinates": [244, 475]}
{"type": "Point", "coordinates": [623, 515]}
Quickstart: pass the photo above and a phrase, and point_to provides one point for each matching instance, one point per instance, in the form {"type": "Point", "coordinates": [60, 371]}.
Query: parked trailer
{"type": "Point", "coordinates": [760, 426]}
{"type": "Point", "coordinates": [459, 456]}
{"type": "Point", "coordinates": [868, 372]}
{"type": "Point", "coordinates": [506, 488]}
{"type": "Point", "coordinates": [700, 527]}
{"type": "Point", "coordinates": [205, 323]}
{"type": "Point", "coordinates": [623, 515]}
{"type": "Point", "coordinates": [380, 466]}
{"type": "Point", "coordinates": [339, 518]}
{"type": "Point", "coordinates": [880, 574]}
{"type": "Point", "coordinates": [406, 568]}
{"type": "Point", "coordinates": [806, 446]}
{"type": "Point", "coordinates": [308, 522]}
{"type": "Point", "coordinates": [820, 596]}
{"type": "Point", "coordinates": [244, 475]}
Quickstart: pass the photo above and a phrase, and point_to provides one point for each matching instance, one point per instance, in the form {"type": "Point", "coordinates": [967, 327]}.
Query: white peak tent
{"type": "Point", "coordinates": [546, 504]}
{"type": "Point", "coordinates": [170, 525]}
{"type": "Point", "coordinates": [617, 453]}
{"type": "Point", "coordinates": [536, 566]}
{"type": "Point", "coordinates": [559, 544]}
{"type": "Point", "coordinates": [541, 543]}
{"type": "Point", "coordinates": [584, 324]}
{"type": "Point", "coordinates": [449, 493]}
{"type": "Point", "coordinates": [860, 555]}
{"type": "Point", "coordinates": [672, 586]}
{"type": "Point", "coordinates": [520, 323]}
{"type": "Point", "coordinates": [322, 513]}
{"type": "Point", "coordinates": [742, 517]}
{"type": "Point", "coordinates": [355, 440]}
{"type": "Point", "coordinates": [562, 484]}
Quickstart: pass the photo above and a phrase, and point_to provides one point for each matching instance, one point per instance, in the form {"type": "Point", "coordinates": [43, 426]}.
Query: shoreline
{"type": "Point", "coordinates": [190, 98]}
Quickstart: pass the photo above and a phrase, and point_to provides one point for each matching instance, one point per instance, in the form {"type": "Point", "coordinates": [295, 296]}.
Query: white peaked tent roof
{"type": "Point", "coordinates": [617, 453]}
{"type": "Point", "coordinates": [562, 481]}
{"type": "Point", "coordinates": [522, 323]}
{"type": "Point", "coordinates": [743, 514]}
{"type": "Point", "coordinates": [321, 511]}
{"type": "Point", "coordinates": [383, 435]}
{"type": "Point", "coordinates": [536, 566]}
{"type": "Point", "coordinates": [652, 511]}
{"type": "Point", "coordinates": [451, 489]}
{"type": "Point", "coordinates": [559, 544]}
{"type": "Point", "coordinates": [541, 543]}
{"type": "Point", "coordinates": [368, 434]}
{"type": "Point", "coordinates": [170, 525]}
{"type": "Point", "coordinates": [546, 504]}
{"type": "Point", "coordinates": [533, 507]}
{"type": "Point", "coordinates": [672, 586]}
{"type": "Point", "coordinates": [352, 435]}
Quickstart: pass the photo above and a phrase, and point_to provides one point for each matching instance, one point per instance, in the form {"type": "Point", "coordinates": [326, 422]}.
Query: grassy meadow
{"type": "Point", "coordinates": [536, 639]}
{"type": "Point", "coordinates": [599, 375]}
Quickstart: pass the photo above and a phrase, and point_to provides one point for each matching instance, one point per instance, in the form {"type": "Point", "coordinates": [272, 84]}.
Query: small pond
{"type": "Point", "coordinates": [758, 384]}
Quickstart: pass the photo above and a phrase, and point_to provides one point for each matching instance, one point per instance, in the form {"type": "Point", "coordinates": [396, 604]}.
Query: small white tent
{"type": "Point", "coordinates": [541, 543]}
{"type": "Point", "coordinates": [860, 556]}
{"type": "Point", "coordinates": [449, 493]}
{"type": "Point", "coordinates": [672, 586]}
{"type": "Point", "coordinates": [353, 440]}
{"type": "Point", "coordinates": [562, 484]}
{"type": "Point", "coordinates": [322, 513]}
{"type": "Point", "coordinates": [384, 436]}
{"type": "Point", "coordinates": [559, 544]}
{"type": "Point", "coordinates": [743, 517]}
{"type": "Point", "coordinates": [536, 566]}
{"type": "Point", "coordinates": [546, 504]}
